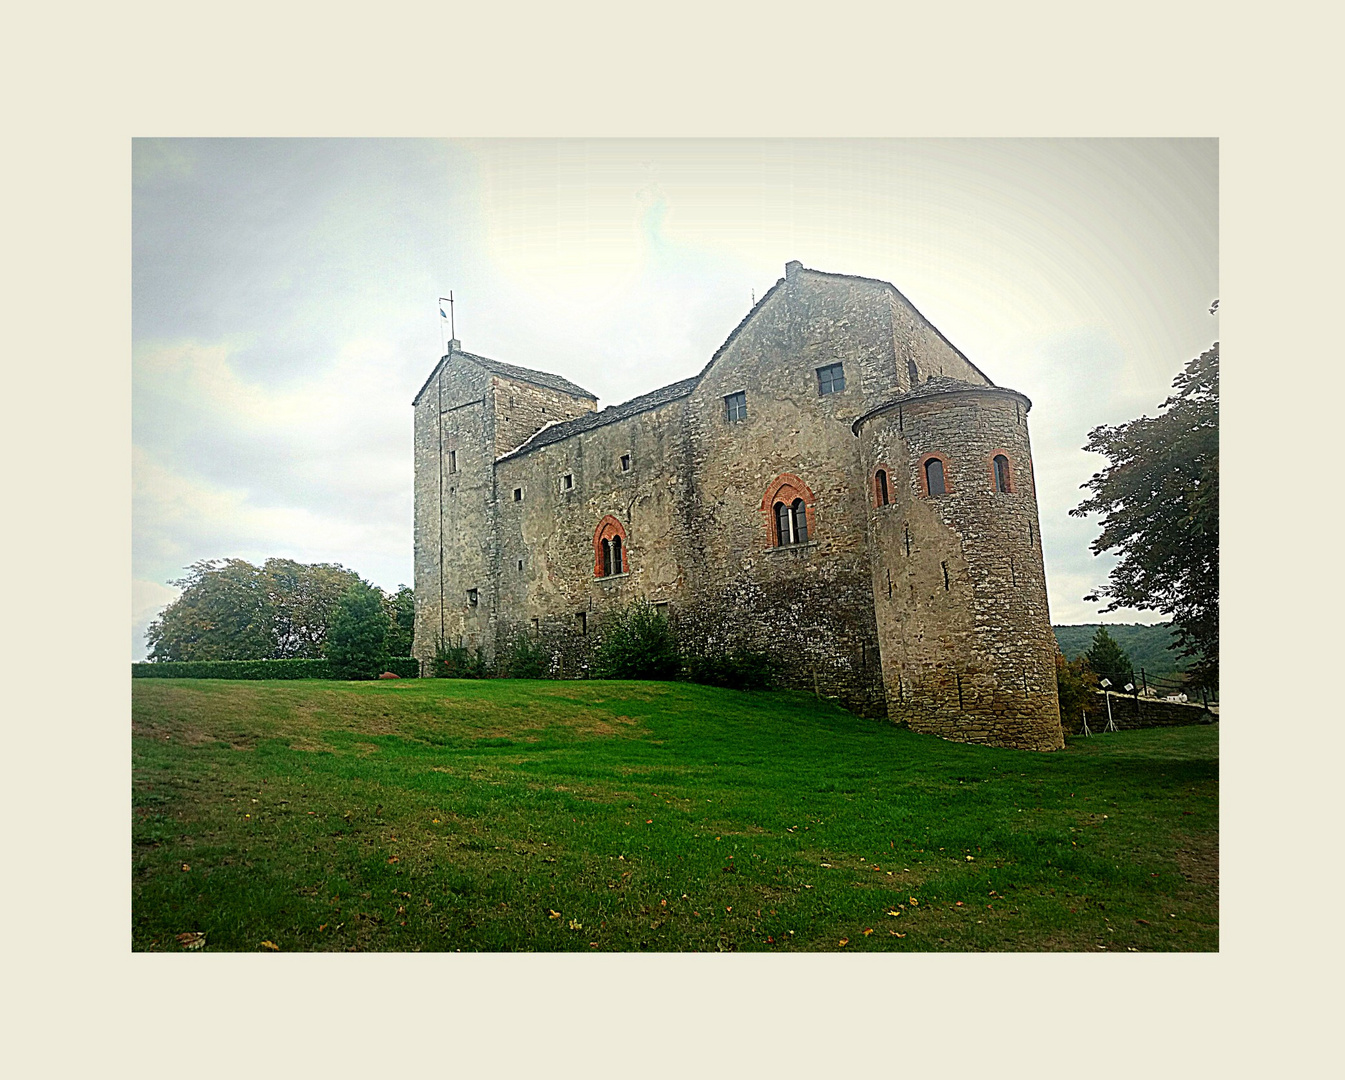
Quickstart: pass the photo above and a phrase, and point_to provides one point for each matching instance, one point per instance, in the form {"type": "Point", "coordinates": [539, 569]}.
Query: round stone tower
{"type": "Point", "coordinates": [959, 586]}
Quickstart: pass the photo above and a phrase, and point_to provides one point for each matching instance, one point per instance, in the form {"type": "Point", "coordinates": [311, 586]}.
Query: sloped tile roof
{"type": "Point", "coordinates": [557, 431]}
{"type": "Point", "coordinates": [512, 371]}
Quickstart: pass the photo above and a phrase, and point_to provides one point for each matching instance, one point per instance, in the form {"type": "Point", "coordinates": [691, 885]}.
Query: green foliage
{"type": "Point", "coordinates": [1159, 501]}
{"type": "Point", "coordinates": [637, 643]}
{"type": "Point", "coordinates": [401, 609]}
{"type": "Point", "coordinates": [1076, 685]}
{"type": "Point", "coordinates": [1149, 647]}
{"type": "Point", "coordinates": [233, 669]}
{"type": "Point", "coordinates": [232, 610]}
{"type": "Point", "coordinates": [357, 640]}
{"type": "Point", "coordinates": [737, 668]}
{"type": "Point", "coordinates": [1107, 660]}
{"type": "Point", "coordinates": [225, 612]}
{"type": "Point", "coordinates": [459, 662]}
{"type": "Point", "coordinates": [405, 667]}
{"type": "Point", "coordinates": [526, 659]}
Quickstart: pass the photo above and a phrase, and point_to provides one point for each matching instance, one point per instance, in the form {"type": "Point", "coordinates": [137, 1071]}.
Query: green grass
{"type": "Point", "coordinates": [518, 815]}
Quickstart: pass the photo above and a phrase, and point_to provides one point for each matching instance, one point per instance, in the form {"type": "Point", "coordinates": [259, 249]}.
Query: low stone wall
{"type": "Point", "coordinates": [1130, 712]}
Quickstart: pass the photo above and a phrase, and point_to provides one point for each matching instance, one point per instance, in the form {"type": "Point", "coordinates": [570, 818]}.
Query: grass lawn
{"type": "Point", "coordinates": [518, 815]}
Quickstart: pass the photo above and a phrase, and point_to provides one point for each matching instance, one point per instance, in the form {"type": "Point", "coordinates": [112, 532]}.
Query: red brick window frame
{"type": "Point", "coordinates": [923, 473]}
{"type": "Point", "coordinates": [884, 494]}
{"type": "Point", "coordinates": [1009, 485]}
{"type": "Point", "coordinates": [608, 530]}
{"type": "Point", "coordinates": [788, 489]}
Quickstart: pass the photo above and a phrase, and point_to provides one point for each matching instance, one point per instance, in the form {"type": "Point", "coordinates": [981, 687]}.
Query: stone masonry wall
{"type": "Point", "coordinates": [968, 651]}
{"type": "Point", "coordinates": [548, 588]}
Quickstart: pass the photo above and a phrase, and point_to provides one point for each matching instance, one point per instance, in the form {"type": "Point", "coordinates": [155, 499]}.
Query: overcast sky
{"type": "Point", "coordinates": [285, 304]}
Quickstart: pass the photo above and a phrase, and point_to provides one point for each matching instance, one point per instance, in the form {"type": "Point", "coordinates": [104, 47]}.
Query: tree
{"type": "Point", "coordinates": [303, 598]}
{"type": "Point", "coordinates": [1075, 684]}
{"type": "Point", "coordinates": [232, 610]}
{"type": "Point", "coordinates": [401, 609]}
{"type": "Point", "coordinates": [357, 638]}
{"type": "Point", "coordinates": [1159, 501]}
{"type": "Point", "coordinates": [225, 612]}
{"type": "Point", "coordinates": [1107, 660]}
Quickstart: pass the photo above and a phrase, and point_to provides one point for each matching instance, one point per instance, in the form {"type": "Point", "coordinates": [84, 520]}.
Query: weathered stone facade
{"type": "Point", "coordinates": [537, 515]}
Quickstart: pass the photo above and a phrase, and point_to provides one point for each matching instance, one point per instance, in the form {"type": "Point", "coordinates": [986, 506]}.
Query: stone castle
{"type": "Point", "coordinates": [839, 487]}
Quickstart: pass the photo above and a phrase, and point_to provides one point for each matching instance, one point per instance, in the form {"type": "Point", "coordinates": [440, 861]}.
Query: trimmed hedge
{"type": "Point", "coordinates": [405, 666]}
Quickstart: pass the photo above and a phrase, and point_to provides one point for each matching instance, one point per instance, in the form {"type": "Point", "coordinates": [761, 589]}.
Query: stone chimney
{"type": "Point", "coordinates": [792, 269]}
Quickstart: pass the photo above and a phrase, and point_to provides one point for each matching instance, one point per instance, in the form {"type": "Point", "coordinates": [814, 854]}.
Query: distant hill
{"type": "Point", "coordinates": [1147, 645]}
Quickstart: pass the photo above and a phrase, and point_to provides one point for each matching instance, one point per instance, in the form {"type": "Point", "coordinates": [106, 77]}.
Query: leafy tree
{"type": "Point", "coordinates": [1108, 660]}
{"type": "Point", "coordinates": [357, 640]}
{"type": "Point", "coordinates": [637, 643]}
{"type": "Point", "coordinates": [1159, 501]}
{"type": "Point", "coordinates": [303, 598]}
{"type": "Point", "coordinates": [226, 612]}
{"type": "Point", "coordinates": [401, 609]}
{"type": "Point", "coordinates": [232, 610]}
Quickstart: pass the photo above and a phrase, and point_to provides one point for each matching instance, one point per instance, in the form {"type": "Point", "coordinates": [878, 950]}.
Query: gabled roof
{"type": "Point", "coordinates": [510, 371]}
{"type": "Point", "coordinates": [842, 277]}
{"type": "Point", "coordinates": [559, 430]}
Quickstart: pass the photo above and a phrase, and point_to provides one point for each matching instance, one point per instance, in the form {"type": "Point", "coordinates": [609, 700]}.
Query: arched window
{"type": "Point", "coordinates": [611, 553]}
{"type": "Point", "coordinates": [789, 504]}
{"type": "Point", "coordinates": [1002, 478]}
{"type": "Point", "coordinates": [880, 488]}
{"type": "Point", "coordinates": [936, 481]}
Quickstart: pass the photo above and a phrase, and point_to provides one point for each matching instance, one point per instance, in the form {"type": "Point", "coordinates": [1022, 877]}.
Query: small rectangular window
{"type": "Point", "coordinates": [452, 461]}
{"type": "Point", "coordinates": [567, 482]}
{"type": "Point", "coordinates": [472, 598]}
{"type": "Point", "coordinates": [536, 625]}
{"type": "Point", "coordinates": [830, 379]}
{"type": "Point", "coordinates": [625, 463]}
{"type": "Point", "coordinates": [520, 566]}
{"type": "Point", "coordinates": [518, 494]}
{"type": "Point", "coordinates": [583, 622]}
{"type": "Point", "coordinates": [736, 404]}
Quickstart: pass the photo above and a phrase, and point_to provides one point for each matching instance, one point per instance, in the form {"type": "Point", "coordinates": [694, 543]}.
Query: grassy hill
{"type": "Point", "coordinates": [1147, 645]}
{"type": "Point", "coordinates": [516, 815]}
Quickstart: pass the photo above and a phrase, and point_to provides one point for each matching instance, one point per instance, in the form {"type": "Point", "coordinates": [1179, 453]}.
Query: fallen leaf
{"type": "Point", "coordinates": [914, 902]}
{"type": "Point", "coordinates": [970, 859]}
{"type": "Point", "coordinates": [576, 925]}
{"type": "Point", "coordinates": [554, 914]}
{"type": "Point", "coordinates": [844, 941]}
{"type": "Point", "coordinates": [185, 866]}
{"type": "Point", "coordinates": [393, 859]}
{"type": "Point", "coordinates": [959, 903]}
{"type": "Point", "coordinates": [894, 913]}
{"type": "Point", "coordinates": [868, 931]}
{"type": "Point", "coordinates": [271, 945]}
{"type": "Point", "coordinates": [895, 934]}
{"type": "Point", "coordinates": [191, 940]}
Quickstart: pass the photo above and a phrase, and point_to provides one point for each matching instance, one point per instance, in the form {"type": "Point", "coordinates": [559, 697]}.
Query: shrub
{"type": "Point", "coordinates": [637, 643]}
{"type": "Point", "coordinates": [459, 662]}
{"type": "Point", "coordinates": [738, 668]}
{"type": "Point", "coordinates": [357, 637]}
{"type": "Point", "coordinates": [526, 659]}
{"type": "Point", "coordinates": [1076, 685]}
{"type": "Point", "coordinates": [233, 669]}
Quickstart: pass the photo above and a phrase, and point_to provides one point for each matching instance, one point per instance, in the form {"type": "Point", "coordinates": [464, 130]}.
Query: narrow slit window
{"type": "Point", "coordinates": [736, 405]}
{"type": "Point", "coordinates": [1001, 473]}
{"type": "Point", "coordinates": [567, 482]}
{"type": "Point", "coordinates": [830, 379]}
{"type": "Point", "coordinates": [625, 463]}
{"type": "Point", "coordinates": [934, 479]}
{"type": "Point", "coordinates": [518, 494]}
{"type": "Point", "coordinates": [883, 498]}
{"type": "Point", "coordinates": [452, 461]}
{"type": "Point", "coordinates": [473, 598]}
{"type": "Point", "coordinates": [583, 622]}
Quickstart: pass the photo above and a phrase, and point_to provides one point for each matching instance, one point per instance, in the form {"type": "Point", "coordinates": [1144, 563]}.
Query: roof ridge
{"type": "Point", "coordinates": [518, 371]}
